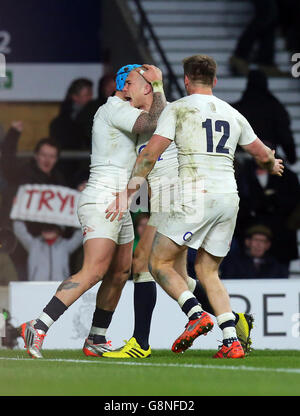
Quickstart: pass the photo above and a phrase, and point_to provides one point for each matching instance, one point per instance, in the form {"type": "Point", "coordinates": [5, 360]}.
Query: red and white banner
{"type": "Point", "coordinates": [49, 204]}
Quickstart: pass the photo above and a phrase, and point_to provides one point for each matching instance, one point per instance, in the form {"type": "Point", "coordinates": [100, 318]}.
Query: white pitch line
{"type": "Point", "coordinates": [143, 364]}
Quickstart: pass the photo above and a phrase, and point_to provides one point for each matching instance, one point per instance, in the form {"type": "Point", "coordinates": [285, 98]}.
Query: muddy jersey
{"type": "Point", "coordinates": [206, 131]}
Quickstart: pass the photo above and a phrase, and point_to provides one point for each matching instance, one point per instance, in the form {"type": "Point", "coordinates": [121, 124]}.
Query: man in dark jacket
{"type": "Point", "coordinates": [65, 128]}
{"type": "Point", "coordinates": [269, 200]}
{"type": "Point", "coordinates": [267, 116]}
{"type": "Point", "coordinates": [255, 262]}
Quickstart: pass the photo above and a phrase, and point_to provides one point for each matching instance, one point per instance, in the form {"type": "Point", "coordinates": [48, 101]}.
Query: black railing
{"type": "Point", "coordinates": [171, 76]}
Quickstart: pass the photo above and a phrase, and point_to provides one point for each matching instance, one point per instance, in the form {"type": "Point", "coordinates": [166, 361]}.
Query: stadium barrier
{"type": "Point", "coordinates": [275, 304]}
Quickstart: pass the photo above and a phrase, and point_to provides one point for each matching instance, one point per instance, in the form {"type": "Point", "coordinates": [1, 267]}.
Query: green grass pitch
{"type": "Point", "coordinates": [68, 373]}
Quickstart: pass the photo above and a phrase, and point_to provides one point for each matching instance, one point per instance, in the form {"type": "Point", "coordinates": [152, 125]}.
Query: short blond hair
{"type": "Point", "coordinates": [200, 69]}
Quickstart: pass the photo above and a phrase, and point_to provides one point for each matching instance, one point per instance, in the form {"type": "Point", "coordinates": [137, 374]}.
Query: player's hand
{"type": "Point", "coordinates": [278, 167]}
{"type": "Point", "coordinates": [118, 207]}
{"type": "Point", "coordinates": [152, 74]}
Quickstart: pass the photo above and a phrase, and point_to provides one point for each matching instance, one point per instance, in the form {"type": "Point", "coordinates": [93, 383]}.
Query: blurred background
{"type": "Point", "coordinates": [61, 57]}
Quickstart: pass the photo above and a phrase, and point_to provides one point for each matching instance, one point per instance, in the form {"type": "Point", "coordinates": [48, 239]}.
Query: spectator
{"type": "Point", "coordinates": [49, 253]}
{"type": "Point", "coordinates": [260, 30]}
{"type": "Point", "coordinates": [269, 200]}
{"type": "Point", "coordinates": [255, 262]}
{"type": "Point", "coordinates": [41, 169]}
{"type": "Point", "coordinates": [267, 116]}
{"type": "Point", "coordinates": [106, 88]}
{"type": "Point", "coordinates": [65, 127]}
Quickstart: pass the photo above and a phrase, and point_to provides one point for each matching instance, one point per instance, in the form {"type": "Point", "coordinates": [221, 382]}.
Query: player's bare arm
{"type": "Point", "coordinates": [265, 157]}
{"type": "Point", "coordinates": [147, 121]}
{"type": "Point", "coordinates": [143, 166]}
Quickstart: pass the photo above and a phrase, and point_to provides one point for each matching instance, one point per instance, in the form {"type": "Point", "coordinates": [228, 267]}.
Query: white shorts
{"type": "Point", "coordinates": [95, 225]}
{"type": "Point", "coordinates": [217, 217]}
{"type": "Point", "coordinates": [164, 193]}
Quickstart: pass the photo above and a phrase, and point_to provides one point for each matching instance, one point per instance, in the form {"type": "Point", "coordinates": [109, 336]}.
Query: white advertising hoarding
{"type": "Point", "coordinates": [275, 304]}
{"type": "Point", "coordinates": [44, 82]}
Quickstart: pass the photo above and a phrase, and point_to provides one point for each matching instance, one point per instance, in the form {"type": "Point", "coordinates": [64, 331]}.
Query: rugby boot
{"type": "Point", "coordinates": [193, 329]}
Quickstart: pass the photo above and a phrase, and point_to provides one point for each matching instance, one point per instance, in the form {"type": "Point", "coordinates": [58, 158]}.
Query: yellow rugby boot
{"type": "Point", "coordinates": [243, 330]}
{"type": "Point", "coordinates": [131, 349]}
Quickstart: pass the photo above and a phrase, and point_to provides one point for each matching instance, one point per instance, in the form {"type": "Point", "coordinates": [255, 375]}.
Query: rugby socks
{"type": "Point", "coordinates": [190, 305]}
{"type": "Point", "coordinates": [197, 289]}
{"type": "Point", "coordinates": [226, 322]}
{"type": "Point", "coordinates": [101, 321]}
{"type": "Point", "coordinates": [145, 294]}
{"type": "Point", "coordinates": [51, 313]}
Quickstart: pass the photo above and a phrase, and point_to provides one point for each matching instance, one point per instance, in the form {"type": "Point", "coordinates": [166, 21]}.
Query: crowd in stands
{"type": "Point", "coordinates": [265, 240]}
{"type": "Point", "coordinates": [36, 251]}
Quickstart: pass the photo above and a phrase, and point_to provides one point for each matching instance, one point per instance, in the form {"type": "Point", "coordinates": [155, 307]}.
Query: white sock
{"type": "Point", "coordinates": [228, 331]}
{"type": "Point", "coordinates": [97, 331]}
{"type": "Point", "coordinates": [46, 319]}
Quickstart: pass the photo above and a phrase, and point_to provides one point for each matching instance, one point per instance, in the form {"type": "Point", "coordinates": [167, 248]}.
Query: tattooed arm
{"type": "Point", "coordinates": [147, 121]}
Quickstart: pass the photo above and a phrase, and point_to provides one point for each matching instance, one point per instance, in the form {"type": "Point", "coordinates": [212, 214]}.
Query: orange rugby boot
{"type": "Point", "coordinates": [193, 329]}
{"type": "Point", "coordinates": [234, 351]}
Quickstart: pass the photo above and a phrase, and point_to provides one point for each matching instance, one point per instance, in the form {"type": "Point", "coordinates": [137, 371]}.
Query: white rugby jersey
{"type": "Point", "coordinates": [113, 145]}
{"type": "Point", "coordinates": [166, 162]}
{"type": "Point", "coordinates": [206, 131]}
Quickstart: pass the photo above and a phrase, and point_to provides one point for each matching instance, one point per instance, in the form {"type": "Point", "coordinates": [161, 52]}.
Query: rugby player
{"type": "Point", "coordinates": [206, 131]}
{"type": "Point", "coordinates": [107, 245]}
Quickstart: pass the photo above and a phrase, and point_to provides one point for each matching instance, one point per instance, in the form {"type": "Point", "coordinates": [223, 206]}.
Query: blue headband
{"type": "Point", "coordinates": [122, 74]}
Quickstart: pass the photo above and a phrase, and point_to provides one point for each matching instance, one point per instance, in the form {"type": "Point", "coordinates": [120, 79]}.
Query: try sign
{"type": "Point", "coordinates": [46, 203]}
